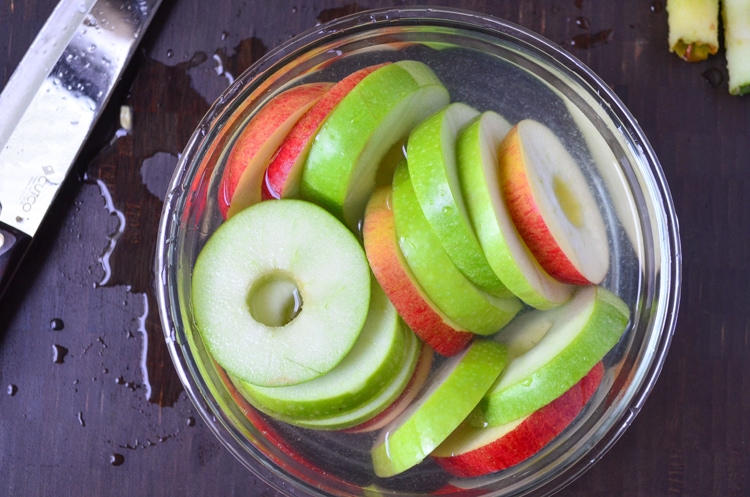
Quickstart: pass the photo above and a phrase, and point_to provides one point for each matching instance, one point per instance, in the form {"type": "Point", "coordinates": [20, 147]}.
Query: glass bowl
{"type": "Point", "coordinates": [492, 65]}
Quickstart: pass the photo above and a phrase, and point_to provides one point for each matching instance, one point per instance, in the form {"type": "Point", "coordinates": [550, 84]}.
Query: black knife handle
{"type": "Point", "coordinates": [13, 246]}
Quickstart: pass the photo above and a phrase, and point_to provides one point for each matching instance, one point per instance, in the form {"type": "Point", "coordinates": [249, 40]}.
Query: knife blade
{"type": "Point", "coordinates": [50, 105]}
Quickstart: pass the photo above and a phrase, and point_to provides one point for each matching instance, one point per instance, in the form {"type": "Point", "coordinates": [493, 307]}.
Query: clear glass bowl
{"type": "Point", "coordinates": [492, 65]}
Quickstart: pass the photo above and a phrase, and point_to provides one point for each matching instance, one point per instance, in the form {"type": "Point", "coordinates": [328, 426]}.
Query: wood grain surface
{"type": "Point", "coordinates": [90, 403]}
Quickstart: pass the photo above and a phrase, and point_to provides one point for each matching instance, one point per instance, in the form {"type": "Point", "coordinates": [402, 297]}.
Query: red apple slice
{"type": "Point", "coordinates": [283, 174]}
{"type": "Point", "coordinates": [393, 273]}
{"type": "Point", "coordinates": [552, 205]}
{"type": "Point", "coordinates": [252, 150]}
{"type": "Point", "coordinates": [471, 452]}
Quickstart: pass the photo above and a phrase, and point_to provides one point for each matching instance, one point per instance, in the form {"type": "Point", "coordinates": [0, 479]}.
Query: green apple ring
{"type": "Point", "coordinates": [251, 272]}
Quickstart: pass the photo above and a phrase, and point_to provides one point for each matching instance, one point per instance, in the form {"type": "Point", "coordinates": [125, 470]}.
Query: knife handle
{"type": "Point", "coordinates": [13, 246]}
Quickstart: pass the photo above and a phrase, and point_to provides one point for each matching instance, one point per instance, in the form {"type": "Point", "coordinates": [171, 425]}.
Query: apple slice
{"type": "Point", "coordinates": [431, 153]}
{"type": "Point", "coordinates": [380, 111]}
{"type": "Point", "coordinates": [504, 248]}
{"type": "Point", "coordinates": [283, 173]}
{"type": "Point", "coordinates": [444, 403]}
{"type": "Point", "coordinates": [446, 286]}
{"type": "Point", "coordinates": [412, 374]}
{"type": "Point", "coordinates": [408, 394]}
{"type": "Point", "coordinates": [552, 205]}
{"type": "Point", "coordinates": [314, 263]}
{"type": "Point", "coordinates": [550, 351]}
{"type": "Point", "coordinates": [251, 152]}
{"type": "Point", "coordinates": [393, 273]}
{"type": "Point", "coordinates": [367, 370]}
{"type": "Point", "coordinates": [471, 452]}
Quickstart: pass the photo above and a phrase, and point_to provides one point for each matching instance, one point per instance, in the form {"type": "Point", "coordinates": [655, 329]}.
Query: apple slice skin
{"type": "Point", "coordinates": [334, 298]}
{"type": "Point", "coordinates": [431, 153]}
{"type": "Point", "coordinates": [415, 363]}
{"type": "Point", "coordinates": [365, 371]}
{"type": "Point", "coordinates": [340, 170]}
{"type": "Point", "coordinates": [440, 408]}
{"type": "Point", "coordinates": [571, 247]}
{"type": "Point", "coordinates": [448, 289]}
{"type": "Point", "coordinates": [256, 143]}
{"type": "Point", "coordinates": [417, 381]}
{"type": "Point", "coordinates": [550, 352]}
{"type": "Point", "coordinates": [283, 173]}
{"type": "Point", "coordinates": [506, 252]}
{"type": "Point", "coordinates": [395, 277]}
{"type": "Point", "coordinates": [470, 452]}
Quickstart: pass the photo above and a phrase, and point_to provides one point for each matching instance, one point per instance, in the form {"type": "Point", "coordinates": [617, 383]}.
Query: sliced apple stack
{"type": "Point", "coordinates": [550, 352]}
{"type": "Point", "coordinates": [447, 287]}
{"type": "Point", "coordinates": [267, 315]}
{"type": "Point", "coordinates": [392, 271]}
{"type": "Point", "coordinates": [441, 407]}
{"type": "Point", "coordinates": [382, 360]}
{"type": "Point", "coordinates": [251, 152]}
{"type": "Point", "coordinates": [282, 177]}
{"type": "Point", "coordinates": [471, 451]}
{"type": "Point", "coordinates": [552, 205]}
{"type": "Point", "coordinates": [505, 250]}
{"type": "Point", "coordinates": [379, 112]}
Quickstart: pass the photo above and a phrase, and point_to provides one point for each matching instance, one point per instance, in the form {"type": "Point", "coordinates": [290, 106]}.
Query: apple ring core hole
{"type": "Point", "coordinates": [567, 201]}
{"type": "Point", "coordinates": [274, 299]}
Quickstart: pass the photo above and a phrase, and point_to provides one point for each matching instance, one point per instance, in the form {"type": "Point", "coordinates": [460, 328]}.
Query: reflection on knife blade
{"type": "Point", "coordinates": [54, 98]}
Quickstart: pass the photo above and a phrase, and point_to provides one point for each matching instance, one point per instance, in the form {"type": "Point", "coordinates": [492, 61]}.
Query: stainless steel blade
{"type": "Point", "coordinates": [50, 105]}
{"type": "Point", "coordinates": [55, 96]}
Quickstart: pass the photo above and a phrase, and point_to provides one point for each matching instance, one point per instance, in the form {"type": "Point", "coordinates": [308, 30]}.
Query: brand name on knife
{"type": "Point", "coordinates": [35, 189]}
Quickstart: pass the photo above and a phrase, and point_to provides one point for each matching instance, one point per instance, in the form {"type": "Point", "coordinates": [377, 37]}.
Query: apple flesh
{"type": "Point", "coordinates": [552, 205]}
{"type": "Point", "coordinates": [380, 410]}
{"type": "Point", "coordinates": [441, 407]}
{"type": "Point", "coordinates": [503, 247]}
{"type": "Point", "coordinates": [391, 270]}
{"type": "Point", "coordinates": [365, 371]}
{"type": "Point", "coordinates": [283, 174]}
{"type": "Point", "coordinates": [550, 351]}
{"type": "Point", "coordinates": [431, 155]}
{"type": "Point", "coordinates": [471, 452]}
{"type": "Point", "coordinates": [321, 273]}
{"type": "Point", "coordinates": [341, 168]}
{"type": "Point", "coordinates": [465, 304]}
{"type": "Point", "coordinates": [251, 152]}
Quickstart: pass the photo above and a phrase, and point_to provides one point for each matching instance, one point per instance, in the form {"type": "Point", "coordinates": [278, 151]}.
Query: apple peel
{"type": "Point", "coordinates": [396, 279]}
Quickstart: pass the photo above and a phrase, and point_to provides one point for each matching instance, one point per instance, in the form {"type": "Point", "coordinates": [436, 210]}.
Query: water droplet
{"type": "Point", "coordinates": [116, 459]}
{"type": "Point", "coordinates": [56, 324]}
{"type": "Point", "coordinates": [224, 35]}
{"type": "Point", "coordinates": [58, 353]}
{"type": "Point", "coordinates": [120, 380]}
{"type": "Point", "coordinates": [713, 76]}
{"type": "Point", "coordinates": [92, 48]}
{"type": "Point", "coordinates": [80, 419]}
{"type": "Point", "coordinates": [12, 389]}
{"type": "Point", "coordinates": [583, 22]}
{"type": "Point", "coordinates": [657, 7]}
{"type": "Point", "coordinates": [170, 53]}
{"type": "Point", "coordinates": [191, 421]}
{"type": "Point", "coordinates": [447, 210]}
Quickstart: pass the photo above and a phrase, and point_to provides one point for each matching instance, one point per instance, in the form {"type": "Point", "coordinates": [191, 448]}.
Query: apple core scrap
{"type": "Point", "coordinates": [483, 243]}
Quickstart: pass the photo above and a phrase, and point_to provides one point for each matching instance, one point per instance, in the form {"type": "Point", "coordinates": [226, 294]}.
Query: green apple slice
{"type": "Point", "coordinates": [550, 351]}
{"type": "Point", "coordinates": [340, 171]}
{"type": "Point", "coordinates": [285, 247]}
{"type": "Point", "coordinates": [431, 153]}
{"type": "Point", "coordinates": [449, 290]}
{"type": "Point", "coordinates": [367, 369]}
{"type": "Point", "coordinates": [454, 391]}
{"type": "Point", "coordinates": [504, 248]}
{"type": "Point", "coordinates": [415, 365]}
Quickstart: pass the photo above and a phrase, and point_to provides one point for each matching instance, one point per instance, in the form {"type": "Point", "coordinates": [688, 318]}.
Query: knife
{"type": "Point", "coordinates": [50, 105]}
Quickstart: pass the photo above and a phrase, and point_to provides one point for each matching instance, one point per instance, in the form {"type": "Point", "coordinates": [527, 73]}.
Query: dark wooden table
{"type": "Point", "coordinates": [90, 403]}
